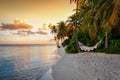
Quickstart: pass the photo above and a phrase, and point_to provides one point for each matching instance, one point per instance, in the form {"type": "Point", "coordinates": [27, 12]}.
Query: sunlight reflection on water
{"type": "Point", "coordinates": [26, 62]}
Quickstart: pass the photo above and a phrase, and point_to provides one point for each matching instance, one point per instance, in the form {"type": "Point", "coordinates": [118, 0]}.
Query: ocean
{"type": "Point", "coordinates": [26, 62]}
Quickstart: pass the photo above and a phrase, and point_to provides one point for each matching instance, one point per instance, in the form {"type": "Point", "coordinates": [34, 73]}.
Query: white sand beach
{"type": "Point", "coordinates": [87, 66]}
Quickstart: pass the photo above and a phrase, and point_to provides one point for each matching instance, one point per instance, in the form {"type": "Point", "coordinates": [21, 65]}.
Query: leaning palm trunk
{"type": "Point", "coordinates": [76, 27]}
{"type": "Point", "coordinates": [77, 41]}
{"type": "Point", "coordinates": [57, 42]}
{"type": "Point", "coordinates": [76, 33]}
{"type": "Point", "coordinates": [106, 40]}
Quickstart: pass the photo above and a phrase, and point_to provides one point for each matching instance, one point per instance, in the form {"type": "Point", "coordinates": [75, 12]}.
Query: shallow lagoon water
{"type": "Point", "coordinates": [26, 62]}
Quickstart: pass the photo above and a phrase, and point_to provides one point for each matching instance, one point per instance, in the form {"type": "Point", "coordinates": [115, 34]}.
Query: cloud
{"type": "Point", "coordinates": [21, 26]}
{"type": "Point", "coordinates": [41, 32]}
{"type": "Point", "coordinates": [29, 32]}
{"type": "Point", "coordinates": [44, 27]}
{"type": "Point", "coordinates": [50, 26]}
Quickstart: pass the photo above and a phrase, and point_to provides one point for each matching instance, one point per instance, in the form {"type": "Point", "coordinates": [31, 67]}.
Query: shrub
{"type": "Point", "coordinates": [66, 42]}
{"type": "Point", "coordinates": [71, 47]}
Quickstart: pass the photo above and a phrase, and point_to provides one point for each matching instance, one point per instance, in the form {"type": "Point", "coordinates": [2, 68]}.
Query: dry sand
{"type": "Point", "coordinates": [87, 66]}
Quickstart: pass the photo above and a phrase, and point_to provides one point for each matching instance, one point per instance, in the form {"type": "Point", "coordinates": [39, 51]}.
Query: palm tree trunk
{"type": "Point", "coordinates": [106, 40]}
{"type": "Point", "coordinates": [77, 42]}
{"type": "Point", "coordinates": [76, 27]}
{"type": "Point", "coordinates": [56, 41]}
{"type": "Point", "coordinates": [58, 45]}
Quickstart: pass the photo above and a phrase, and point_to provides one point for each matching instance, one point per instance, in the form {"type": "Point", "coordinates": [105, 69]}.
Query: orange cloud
{"type": "Point", "coordinates": [21, 26]}
{"type": "Point", "coordinates": [44, 27]}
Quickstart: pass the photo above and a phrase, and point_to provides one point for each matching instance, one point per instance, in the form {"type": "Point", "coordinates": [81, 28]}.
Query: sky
{"type": "Point", "coordinates": [36, 13]}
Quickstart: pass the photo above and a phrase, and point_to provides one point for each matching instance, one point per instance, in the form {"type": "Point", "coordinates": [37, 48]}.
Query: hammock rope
{"type": "Point", "coordinates": [86, 48]}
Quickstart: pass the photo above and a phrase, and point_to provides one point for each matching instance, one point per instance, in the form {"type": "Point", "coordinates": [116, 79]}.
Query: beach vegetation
{"type": "Point", "coordinates": [96, 20]}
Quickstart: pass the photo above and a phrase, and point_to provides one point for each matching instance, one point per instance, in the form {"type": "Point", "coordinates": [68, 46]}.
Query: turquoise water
{"type": "Point", "coordinates": [26, 62]}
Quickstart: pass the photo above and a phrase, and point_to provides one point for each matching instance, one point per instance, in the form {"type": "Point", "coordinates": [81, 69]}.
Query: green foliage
{"type": "Point", "coordinates": [114, 47]}
{"type": "Point", "coordinates": [86, 40]}
{"type": "Point", "coordinates": [66, 42]}
{"type": "Point", "coordinates": [92, 32]}
{"type": "Point", "coordinates": [95, 17]}
{"type": "Point", "coordinates": [71, 47]}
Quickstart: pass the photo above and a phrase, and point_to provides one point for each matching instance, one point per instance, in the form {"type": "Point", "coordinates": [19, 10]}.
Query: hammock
{"type": "Point", "coordinates": [86, 48]}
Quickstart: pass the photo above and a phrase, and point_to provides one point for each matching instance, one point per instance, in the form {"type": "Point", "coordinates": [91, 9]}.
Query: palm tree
{"type": "Point", "coordinates": [54, 31]}
{"type": "Point", "coordinates": [70, 26]}
{"type": "Point", "coordinates": [62, 30]}
{"type": "Point", "coordinates": [59, 31]}
{"type": "Point", "coordinates": [104, 13]}
{"type": "Point", "coordinates": [98, 14]}
{"type": "Point", "coordinates": [76, 33]}
{"type": "Point", "coordinates": [82, 7]}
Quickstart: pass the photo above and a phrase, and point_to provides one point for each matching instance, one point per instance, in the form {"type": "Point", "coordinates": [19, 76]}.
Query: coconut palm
{"type": "Point", "coordinates": [76, 33]}
{"type": "Point", "coordinates": [54, 31]}
{"type": "Point", "coordinates": [62, 30]}
{"type": "Point", "coordinates": [99, 15]}
{"type": "Point", "coordinates": [59, 31]}
{"type": "Point", "coordinates": [104, 13]}
{"type": "Point", "coordinates": [70, 26]}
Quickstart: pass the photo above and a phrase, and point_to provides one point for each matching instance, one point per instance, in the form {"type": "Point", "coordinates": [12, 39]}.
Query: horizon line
{"type": "Point", "coordinates": [24, 44]}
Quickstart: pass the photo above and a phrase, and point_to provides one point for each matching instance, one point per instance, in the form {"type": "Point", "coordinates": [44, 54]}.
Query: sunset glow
{"type": "Point", "coordinates": [36, 13]}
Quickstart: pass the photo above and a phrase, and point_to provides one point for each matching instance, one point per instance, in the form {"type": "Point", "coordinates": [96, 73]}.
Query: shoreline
{"type": "Point", "coordinates": [48, 74]}
{"type": "Point", "coordinates": [84, 66]}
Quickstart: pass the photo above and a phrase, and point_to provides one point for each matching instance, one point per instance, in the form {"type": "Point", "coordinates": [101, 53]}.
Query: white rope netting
{"type": "Point", "coordinates": [86, 48]}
